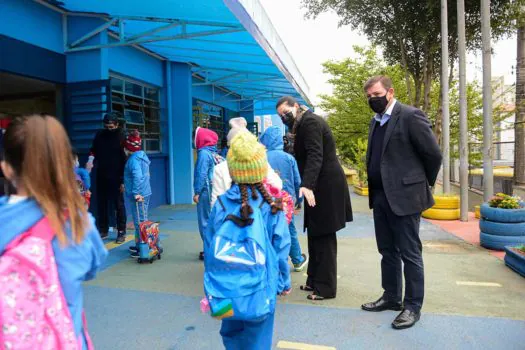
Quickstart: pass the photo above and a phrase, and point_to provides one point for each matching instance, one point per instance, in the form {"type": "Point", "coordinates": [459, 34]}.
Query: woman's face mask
{"type": "Point", "coordinates": [288, 118]}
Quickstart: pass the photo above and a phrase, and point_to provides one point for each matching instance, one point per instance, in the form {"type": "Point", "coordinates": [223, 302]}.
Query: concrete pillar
{"type": "Point", "coordinates": [181, 132]}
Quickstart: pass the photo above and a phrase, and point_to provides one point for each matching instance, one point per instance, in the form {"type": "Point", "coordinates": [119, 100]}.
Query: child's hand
{"type": "Point", "coordinates": [88, 194]}
{"type": "Point", "coordinates": [139, 198]}
{"type": "Point", "coordinates": [196, 199]}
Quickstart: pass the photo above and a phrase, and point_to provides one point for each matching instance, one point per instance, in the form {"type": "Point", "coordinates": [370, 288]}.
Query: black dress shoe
{"type": "Point", "coordinates": [381, 305]}
{"type": "Point", "coordinates": [406, 319]}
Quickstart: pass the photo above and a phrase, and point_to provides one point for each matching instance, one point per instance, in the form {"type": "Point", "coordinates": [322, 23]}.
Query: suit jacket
{"type": "Point", "coordinates": [410, 161]}
{"type": "Point", "coordinates": [320, 170]}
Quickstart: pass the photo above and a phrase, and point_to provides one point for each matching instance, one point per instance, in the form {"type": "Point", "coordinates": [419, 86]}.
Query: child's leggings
{"type": "Point", "coordinates": [142, 210]}
{"type": "Point", "coordinates": [245, 335]}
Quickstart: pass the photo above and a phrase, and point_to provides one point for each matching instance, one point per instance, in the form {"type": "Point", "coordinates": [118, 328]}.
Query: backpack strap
{"type": "Point", "coordinates": [221, 203]}
{"type": "Point", "coordinates": [42, 229]}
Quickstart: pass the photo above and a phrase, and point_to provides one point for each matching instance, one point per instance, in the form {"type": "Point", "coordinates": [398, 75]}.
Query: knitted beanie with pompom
{"type": "Point", "coordinates": [247, 159]}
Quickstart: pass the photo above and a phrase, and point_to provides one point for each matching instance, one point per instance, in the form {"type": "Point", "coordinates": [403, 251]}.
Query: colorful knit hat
{"type": "Point", "coordinates": [247, 159]}
{"type": "Point", "coordinates": [133, 141]}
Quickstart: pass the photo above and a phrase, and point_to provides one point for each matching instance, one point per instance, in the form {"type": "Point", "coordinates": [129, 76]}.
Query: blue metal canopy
{"type": "Point", "coordinates": [228, 43]}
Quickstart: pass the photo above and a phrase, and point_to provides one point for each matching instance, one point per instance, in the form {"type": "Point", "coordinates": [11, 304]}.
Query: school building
{"type": "Point", "coordinates": [165, 66]}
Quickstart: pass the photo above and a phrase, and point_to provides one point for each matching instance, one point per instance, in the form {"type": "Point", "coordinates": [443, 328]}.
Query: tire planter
{"type": "Point", "coordinates": [502, 228]}
{"type": "Point", "coordinates": [515, 260]}
{"type": "Point", "coordinates": [496, 242]}
{"type": "Point", "coordinates": [441, 214]}
{"type": "Point", "coordinates": [502, 215]}
{"type": "Point", "coordinates": [446, 202]}
{"type": "Point", "coordinates": [362, 191]}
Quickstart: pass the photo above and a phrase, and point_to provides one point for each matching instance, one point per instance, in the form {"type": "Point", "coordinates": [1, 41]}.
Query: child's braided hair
{"type": "Point", "coordinates": [247, 210]}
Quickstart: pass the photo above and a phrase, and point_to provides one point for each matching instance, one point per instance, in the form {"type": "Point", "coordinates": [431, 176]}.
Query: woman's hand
{"type": "Point", "coordinates": [139, 198]}
{"type": "Point", "coordinates": [308, 195]}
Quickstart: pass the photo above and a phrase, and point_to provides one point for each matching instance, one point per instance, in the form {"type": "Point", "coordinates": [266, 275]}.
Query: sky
{"type": "Point", "coordinates": [312, 42]}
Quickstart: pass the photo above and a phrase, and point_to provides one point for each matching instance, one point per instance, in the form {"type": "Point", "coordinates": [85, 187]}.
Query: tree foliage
{"type": "Point", "coordinates": [350, 115]}
{"type": "Point", "coordinates": [409, 31]}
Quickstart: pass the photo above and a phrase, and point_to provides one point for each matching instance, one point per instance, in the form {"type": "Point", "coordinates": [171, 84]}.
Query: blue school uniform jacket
{"type": "Point", "coordinates": [137, 175]}
{"type": "Point", "coordinates": [283, 163]}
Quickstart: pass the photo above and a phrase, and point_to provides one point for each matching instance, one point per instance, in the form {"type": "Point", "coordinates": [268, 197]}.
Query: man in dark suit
{"type": "Point", "coordinates": [403, 160]}
{"type": "Point", "coordinates": [324, 187]}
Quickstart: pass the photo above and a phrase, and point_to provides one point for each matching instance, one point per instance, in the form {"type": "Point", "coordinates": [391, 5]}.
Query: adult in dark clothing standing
{"type": "Point", "coordinates": [328, 207]}
{"type": "Point", "coordinates": [108, 155]}
{"type": "Point", "coordinates": [403, 160]}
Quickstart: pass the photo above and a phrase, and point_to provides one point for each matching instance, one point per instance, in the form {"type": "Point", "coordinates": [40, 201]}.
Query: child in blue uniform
{"type": "Point", "coordinates": [137, 186]}
{"type": "Point", "coordinates": [207, 157]}
{"type": "Point", "coordinates": [248, 167]}
{"type": "Point", "coordinates": [37, 162]}
{"type": "Point", "coordinates": [286, 166]}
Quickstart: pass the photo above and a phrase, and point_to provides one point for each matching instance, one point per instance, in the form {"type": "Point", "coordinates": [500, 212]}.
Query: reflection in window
{"type": "Point", "coordinates": [139, 106]}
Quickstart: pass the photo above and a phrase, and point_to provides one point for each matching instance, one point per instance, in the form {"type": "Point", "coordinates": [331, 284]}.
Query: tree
{"type": "Point", "coordinates": [350, 115]}
{"type": "Point", "coordinates": [409, 31]}
{"type": "Point", "coordinates": [349, 111]}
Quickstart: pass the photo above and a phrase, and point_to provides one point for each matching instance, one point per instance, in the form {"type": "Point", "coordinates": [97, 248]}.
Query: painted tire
{"type": "Point", "coordinates": [446, 202]}
{"type": "Point", "coordinates": [502, 228]}
{"type": "Point", "coordinates": [499, 242]}
{"type": "Point", "coordinates": [441, 214]}
{"type": "Point", "coordinates": [515, 261]}
{"type": "Point", "coordinates": [502, 215]}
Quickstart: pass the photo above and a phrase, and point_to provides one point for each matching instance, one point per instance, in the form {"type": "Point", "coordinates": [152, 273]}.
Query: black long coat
{"type": "Point", "coordinates": [321, 172]}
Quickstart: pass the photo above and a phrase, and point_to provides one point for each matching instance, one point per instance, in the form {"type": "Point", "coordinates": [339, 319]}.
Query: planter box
{"type": "Point", "coordinates": [362, 191]}
{"type": "Point", "coordinates": [515, 259]}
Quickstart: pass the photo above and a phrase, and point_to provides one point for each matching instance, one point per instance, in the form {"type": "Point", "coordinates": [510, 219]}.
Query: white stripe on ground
{"type": "Point", "coordinates": [478, 284]}
{"type": "Point", "coordinates": [301, 346]}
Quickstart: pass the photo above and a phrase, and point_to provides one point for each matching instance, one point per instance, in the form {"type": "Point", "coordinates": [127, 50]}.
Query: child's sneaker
{"type": "Point", "coordinates": [133, 249]}
{"type": "Point", "coordinates": [300, 266]}
{"type": "Point", "coordinates": [135, 254]}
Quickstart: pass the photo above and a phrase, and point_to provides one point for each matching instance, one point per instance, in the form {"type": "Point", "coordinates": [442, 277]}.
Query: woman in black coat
{"type": "Point", "coordinates": [324, 187]}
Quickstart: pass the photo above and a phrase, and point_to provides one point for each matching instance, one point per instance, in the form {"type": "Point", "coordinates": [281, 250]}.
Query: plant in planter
{"type": "Point", "coordinates": [515, 259]}
{"type": "Point", "coordinates": [358, 149]}
{"type": "Point", "coordinates": [502, 222]}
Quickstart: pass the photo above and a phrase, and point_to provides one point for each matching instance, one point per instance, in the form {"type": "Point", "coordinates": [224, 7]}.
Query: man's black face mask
{"type": "Point", "coordinates": [288, 119]}
{"type": "Point", "coordinates": [378, 103]}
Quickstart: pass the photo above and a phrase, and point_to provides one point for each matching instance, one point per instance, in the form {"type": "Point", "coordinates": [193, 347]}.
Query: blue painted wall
{"type": "Point", "coordinates": [206, 93]}
{"type": "Point", "coordinates": [159, 180]}
{"type": "Point", "coordinates": [181, 102]}
{"type": "Point", "coordinates": [247, 110]}
{"type": "Point", "coordinates": [32, 23]}
{"type": "Point", "coordinates": [21, 58]}
{"type": "Point", "coordinates": [87, 65]}
{"type": "Point", "coordinates": [136, 64]}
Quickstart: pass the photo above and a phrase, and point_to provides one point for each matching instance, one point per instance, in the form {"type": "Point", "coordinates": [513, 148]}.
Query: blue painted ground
{"type": "Point", "coordinates": [146, 320]}
{"type": "Point", "coordinates": [157, 306]}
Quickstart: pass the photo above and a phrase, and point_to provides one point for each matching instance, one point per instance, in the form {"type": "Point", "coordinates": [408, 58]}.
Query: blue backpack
{"type": "Point", "coordinates": [241, 269]}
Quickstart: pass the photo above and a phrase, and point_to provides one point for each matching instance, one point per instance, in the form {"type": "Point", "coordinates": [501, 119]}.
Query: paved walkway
{"type": "Point", "coordinates": [472, 300]}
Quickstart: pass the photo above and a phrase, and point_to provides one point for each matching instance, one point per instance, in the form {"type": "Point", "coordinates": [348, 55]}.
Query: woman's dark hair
{"type": "Point", "coordinates": [289, 100]}
{"type": "Point", "coordinates": [247, 210]}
